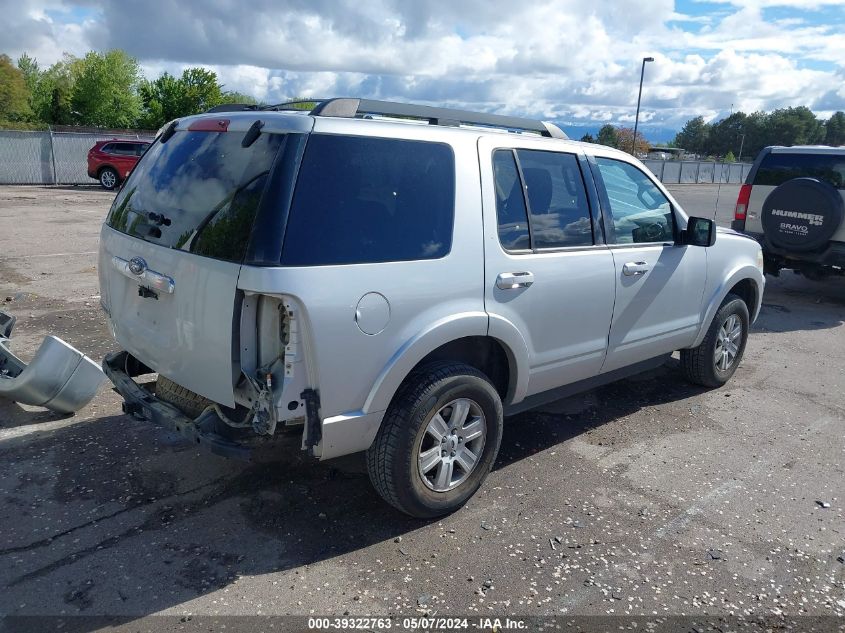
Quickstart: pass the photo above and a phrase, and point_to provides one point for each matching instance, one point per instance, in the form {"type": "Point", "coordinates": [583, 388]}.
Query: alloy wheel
{"type": "Point", "coordinates": [728, 340]}
{"type": "Point", "coordinates": [452, 445]}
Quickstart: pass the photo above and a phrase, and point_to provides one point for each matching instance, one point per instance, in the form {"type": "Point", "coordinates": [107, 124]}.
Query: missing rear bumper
{"type": "Point", "coordinates": [121, 367]}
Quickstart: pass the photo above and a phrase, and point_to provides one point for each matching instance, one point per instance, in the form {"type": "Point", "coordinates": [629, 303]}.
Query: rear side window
{"type": "Point", "coordinates": [555, 200]}
{"type": "Point", "coordinates": [510, 203]}
{"type": "Point", "coordinates": [362, 200]}
{"type": "Point", "coordinates": [198, 192]}
{"type": "Point", "coordinates": [123, 149]}
{"type": "Point", "coordinates": [778, 167]}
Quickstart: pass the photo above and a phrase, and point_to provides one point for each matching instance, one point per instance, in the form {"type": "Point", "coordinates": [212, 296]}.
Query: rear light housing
{"type": "Point", "coordinates": [742, 202]}
{"type": "Point", "coordinates": [209, 125]}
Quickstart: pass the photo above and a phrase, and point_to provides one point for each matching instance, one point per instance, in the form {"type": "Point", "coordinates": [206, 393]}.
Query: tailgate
{"type": "Point", "coordinates": [172, 247]}
{"type": "Point", "coordinates": [181, 329]}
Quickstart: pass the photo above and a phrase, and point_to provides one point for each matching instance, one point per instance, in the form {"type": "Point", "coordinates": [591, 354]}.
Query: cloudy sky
{"type": "Point", "coordinates": [570, 61]}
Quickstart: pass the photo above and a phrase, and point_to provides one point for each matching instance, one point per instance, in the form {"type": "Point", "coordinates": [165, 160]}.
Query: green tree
{"type": "Point", "coordinates": [588, 138]}
{"type": "Point", "coordinates": [105, 93]}
{"type": "Point", "coordinates": [754, 135]}
{"type": "Point", "coordinates": [160, 101]}
{"type": "Point", "coordinates": [169, 97]}
{"type": "Point", "coordinates": [231, 96]}
{"type": "Point", "coordinates": [201, 90]}
{"type": "Point", "coordinates": [729, 157]}
{"type": "Point", "coordinates": [835, 129]}
{"type": "Point", "coordinates": [51, 97]}
{"type": "Point", "coordinates": [694, 136]}
{"type": "Point", "coordinates": [31, 72]}
{"type": "Point", "coordinates": [14, 94]}
{"type": "Point", "coordinates": [794, 126]}
{"type": "Point", "coordinates": [607, 135]}
{"type": "Point", "coordinates": [726, 135]}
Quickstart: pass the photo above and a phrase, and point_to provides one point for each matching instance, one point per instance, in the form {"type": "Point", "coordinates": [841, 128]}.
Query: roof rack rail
{"type": "Point", "coordinates": [233, 107]}
{"type": "Point", "coordinates": [300, 105]}
{"type": "Point", "coordinates": [350, 108]}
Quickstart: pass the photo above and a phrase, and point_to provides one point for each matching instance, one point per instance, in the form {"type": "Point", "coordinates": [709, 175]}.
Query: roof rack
{"type": "Point", "coordinates": [351, 108]}
{"type": "Point", "coordinates": [233, 107]}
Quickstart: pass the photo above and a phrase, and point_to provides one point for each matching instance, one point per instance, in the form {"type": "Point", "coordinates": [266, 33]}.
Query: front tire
{"type": "Point", "coordinates": [109, 178]}
{"type": "Point", "coordinates": [438, 441]}
{"type": "Point", "coordinates": [715, 360]}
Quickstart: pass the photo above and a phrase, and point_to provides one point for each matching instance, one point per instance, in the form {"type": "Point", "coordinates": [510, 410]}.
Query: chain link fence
{"type": "Point", "coordinates": [61, 158]}
{"type": "Point", "coordinates": [678, 172]}
{"type": "Point", "coordinates": [51, 158]}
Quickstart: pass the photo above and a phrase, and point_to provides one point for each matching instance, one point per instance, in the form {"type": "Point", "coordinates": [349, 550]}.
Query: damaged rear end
{"type": "Point", "coordinates": [221, 363]}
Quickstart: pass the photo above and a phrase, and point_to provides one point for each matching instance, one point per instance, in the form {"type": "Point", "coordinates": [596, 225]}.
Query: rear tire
{"type": "Point", "coordinates": [108, 178]}
{"type": "Point", "coordinates": [188, 402]}
{"type": "Point", "coordinates": [405, 462]}
{"type": "Point", "coordinates": [700, 364]}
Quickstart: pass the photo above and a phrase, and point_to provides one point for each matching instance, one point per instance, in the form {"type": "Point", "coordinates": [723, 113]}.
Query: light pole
{"type": "Point", "coordinates": [639, 97]}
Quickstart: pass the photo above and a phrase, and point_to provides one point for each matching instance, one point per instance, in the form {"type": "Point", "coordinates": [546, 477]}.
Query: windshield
{"type": "Point", "coordinates": [198, 192]}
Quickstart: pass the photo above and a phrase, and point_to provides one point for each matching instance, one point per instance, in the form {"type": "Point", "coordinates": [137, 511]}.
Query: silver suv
{"type": "Point", "coordinates": [396, 279]}
{"type": "Point", "coordinates": [793, 203]}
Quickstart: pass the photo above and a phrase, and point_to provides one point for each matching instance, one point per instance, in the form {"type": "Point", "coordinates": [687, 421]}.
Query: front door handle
{"type": "Point", "coordinates": [633, 269]}
{"type": "Point", "coordinates": [512, 281]}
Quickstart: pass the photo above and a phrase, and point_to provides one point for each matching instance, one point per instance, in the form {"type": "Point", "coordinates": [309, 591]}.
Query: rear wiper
{"type": "Point", "coordinates": [252, 133]}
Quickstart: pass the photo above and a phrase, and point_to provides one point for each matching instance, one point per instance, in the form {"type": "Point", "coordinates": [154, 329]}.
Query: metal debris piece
{"type": "Point", "coordinates": [59, 377]}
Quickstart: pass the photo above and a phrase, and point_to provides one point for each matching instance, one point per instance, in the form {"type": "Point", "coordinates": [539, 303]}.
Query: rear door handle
{"type": "Point", "coordinates": [512, 281]}
{"type": "Point", "coordinates": [146, 278]}
{"type": "Point", "coordinates": [633, 269]}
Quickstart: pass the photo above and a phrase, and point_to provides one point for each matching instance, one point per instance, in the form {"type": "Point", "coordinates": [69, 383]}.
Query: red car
{"type": "Point", "coordinates": [111, 161]}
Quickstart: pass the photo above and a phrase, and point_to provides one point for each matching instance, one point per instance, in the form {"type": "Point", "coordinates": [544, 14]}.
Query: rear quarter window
{"type": "Point", "coordinates": [366, 200]}
{"type": "Point", "coordinates": [778, 167]}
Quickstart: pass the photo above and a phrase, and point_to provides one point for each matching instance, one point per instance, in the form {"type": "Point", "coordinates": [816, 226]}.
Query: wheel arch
{"type": "Point", "coordinates": [103, 167]}
{"type": "Point", "coordinates": [746, 282]}
{"type": "Point", "coordinates": [462, 340]}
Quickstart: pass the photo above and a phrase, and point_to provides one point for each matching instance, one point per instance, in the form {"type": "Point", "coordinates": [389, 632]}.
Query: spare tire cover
{"type": "Point", "coordinates": [802, 214]}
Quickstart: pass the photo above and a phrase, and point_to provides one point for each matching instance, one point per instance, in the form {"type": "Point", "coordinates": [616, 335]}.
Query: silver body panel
{"type": "Point", "coordinates": [185, 334]}
{"type": "Point", "coordinates": [59, 377]}
{"type": "Point", "coordinates": [560, 321]}
{"type": "Point", "coordinates": [579, 318]}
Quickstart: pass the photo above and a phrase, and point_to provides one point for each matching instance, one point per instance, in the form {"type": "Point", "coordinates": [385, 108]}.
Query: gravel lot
{"type": "Point", "coordinates": [648, 496]}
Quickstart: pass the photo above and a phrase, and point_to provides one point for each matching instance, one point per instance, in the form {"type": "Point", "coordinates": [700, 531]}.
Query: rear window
{"type": "Point", "coordinates": [362, 200]}
{"type": "Point", "coordinates": [777, 167]}
{"type": "Point", "coordinates": [198, 192]}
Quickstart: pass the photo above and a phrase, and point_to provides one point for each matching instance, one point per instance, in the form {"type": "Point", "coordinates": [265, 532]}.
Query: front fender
{"type": "Point", "coordinates": [720, 291]}
{"type": "Point", "coordinates": [414, 350]}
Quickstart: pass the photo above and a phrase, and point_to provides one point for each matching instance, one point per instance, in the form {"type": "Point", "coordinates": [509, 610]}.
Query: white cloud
{"type": "Point", "coordinates": [563, 59]}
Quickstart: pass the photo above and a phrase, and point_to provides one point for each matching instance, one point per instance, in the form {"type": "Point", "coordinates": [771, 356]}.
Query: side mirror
{"type": "Point", "coordinates": [699, 232]}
